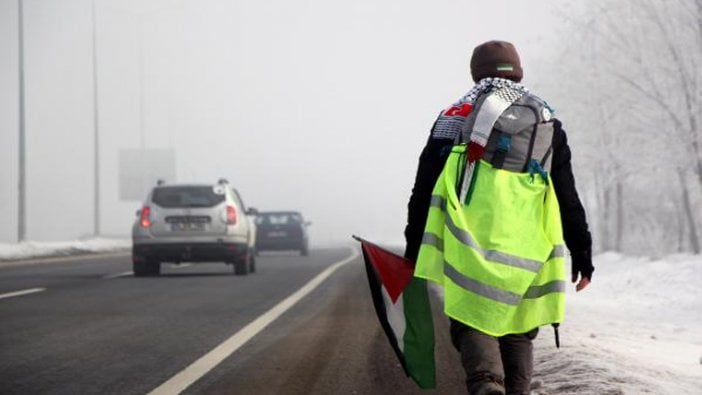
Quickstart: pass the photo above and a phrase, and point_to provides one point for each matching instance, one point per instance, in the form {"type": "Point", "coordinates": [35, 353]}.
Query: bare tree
{"type": "Point", "coordinates": [640, 86]}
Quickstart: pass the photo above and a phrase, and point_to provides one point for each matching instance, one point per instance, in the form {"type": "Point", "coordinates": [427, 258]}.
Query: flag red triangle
{"type": "Point", "coordinates": [394, 271]}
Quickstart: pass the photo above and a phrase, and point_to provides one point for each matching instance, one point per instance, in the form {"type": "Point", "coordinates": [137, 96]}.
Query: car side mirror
{"type": "Point", "coordinates": [251, 211]}
{"type": "Point", "coordinates": [308, 223]}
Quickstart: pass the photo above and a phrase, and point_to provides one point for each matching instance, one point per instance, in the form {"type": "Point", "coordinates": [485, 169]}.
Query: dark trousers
{"type": "Point", "coordinates": [494, 365]}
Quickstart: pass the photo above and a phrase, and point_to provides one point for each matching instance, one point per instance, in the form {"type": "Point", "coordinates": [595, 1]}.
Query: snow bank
{"type": "Point", "coordinates": [31, 249]}
{"type": "Point", "coordinates": [636, 330]}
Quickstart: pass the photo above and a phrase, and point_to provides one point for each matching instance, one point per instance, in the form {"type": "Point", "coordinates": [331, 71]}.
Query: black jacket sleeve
{"type": "Point", "coordinates": [431, 162]}
{"type": "Point", "coordinates": [575, 229]}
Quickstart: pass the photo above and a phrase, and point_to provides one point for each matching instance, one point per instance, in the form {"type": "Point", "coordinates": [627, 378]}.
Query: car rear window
{"type": "Point", "coordinates": [278, 219]}
{"type": "Point", "coordinates": [188, 196]}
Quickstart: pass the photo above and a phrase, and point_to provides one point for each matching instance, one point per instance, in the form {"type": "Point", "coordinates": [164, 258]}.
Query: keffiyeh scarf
{"type": "Point", "coordinates": [450, 121]}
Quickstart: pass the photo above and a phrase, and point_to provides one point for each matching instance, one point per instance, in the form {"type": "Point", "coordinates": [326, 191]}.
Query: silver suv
{"type": "Point", "coordinates": [193, 223]}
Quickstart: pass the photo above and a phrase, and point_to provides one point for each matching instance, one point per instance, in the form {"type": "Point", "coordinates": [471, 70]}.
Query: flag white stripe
{"type": "Point", "coordinates": [396, 317]}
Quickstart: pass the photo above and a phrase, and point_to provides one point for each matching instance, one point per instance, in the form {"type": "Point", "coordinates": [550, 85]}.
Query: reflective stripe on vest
{"type": "Point", "coordinates": [500, 259]}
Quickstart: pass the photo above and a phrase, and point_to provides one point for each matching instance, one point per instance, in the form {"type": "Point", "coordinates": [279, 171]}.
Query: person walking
{"type": "Point", "coordinates": [493, 202]}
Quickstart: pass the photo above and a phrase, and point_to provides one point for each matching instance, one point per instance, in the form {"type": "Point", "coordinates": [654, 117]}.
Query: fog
{"type": "Point", "coordinates": [318, 106]}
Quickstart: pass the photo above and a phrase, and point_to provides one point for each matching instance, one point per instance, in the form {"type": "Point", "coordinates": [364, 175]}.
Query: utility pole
{"type": "Point", "coordinates": [21, 195]}
{"type": "Point", "coordinates": [96, 129]}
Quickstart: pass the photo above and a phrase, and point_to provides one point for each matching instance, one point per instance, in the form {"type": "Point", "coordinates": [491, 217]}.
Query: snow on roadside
{"type": "Point", "coordinates": [31, 249]}
{"type": "Point", "coordinates": [636, 330]}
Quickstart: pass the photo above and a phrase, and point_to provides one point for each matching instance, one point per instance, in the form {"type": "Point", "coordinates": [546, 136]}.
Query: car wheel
{"type": "Point", "coordinates": [241, 268]}
{"type": "Point", "coordinates": [304, 251]}
{"type": "Point", "coordinates": [139, 269]}
{"type": "Point", "coordinates": [146, 268]}
{"type": "Point", "coordinates": [252, 262]}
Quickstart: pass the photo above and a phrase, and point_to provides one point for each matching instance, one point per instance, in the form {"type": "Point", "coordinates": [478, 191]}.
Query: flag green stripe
{"type": "Point", "coordinates": [419, 334]}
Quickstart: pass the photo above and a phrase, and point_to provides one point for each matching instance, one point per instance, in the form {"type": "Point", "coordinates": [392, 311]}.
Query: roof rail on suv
{"type": "Point", "coordinates": [193, 222]}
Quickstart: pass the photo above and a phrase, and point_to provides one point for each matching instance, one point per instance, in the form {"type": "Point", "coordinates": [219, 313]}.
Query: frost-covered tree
{"type": "Point", "coordinates": [637, 97]}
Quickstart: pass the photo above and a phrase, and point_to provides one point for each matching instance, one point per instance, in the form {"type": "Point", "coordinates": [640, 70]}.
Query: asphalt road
{"type": "Point", "coordinates": [90, 327]}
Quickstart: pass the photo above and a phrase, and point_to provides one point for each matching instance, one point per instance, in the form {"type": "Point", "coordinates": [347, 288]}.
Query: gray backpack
{"type": "Point", "coordinates": [521, 137]}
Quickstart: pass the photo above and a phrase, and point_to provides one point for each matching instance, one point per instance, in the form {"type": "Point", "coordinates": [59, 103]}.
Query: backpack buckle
{"type": "Point", "coordinates": [504, 143]}
{"type": "Point", "coordinates": [535, 167]}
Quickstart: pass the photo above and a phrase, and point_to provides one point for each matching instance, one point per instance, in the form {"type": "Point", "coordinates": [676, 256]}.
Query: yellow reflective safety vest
{"type": "Point", "coordinates": [500, 258]}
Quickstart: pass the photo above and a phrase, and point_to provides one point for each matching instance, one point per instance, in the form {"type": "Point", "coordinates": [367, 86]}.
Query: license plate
{"type": "Point", "coordinates": [188, 226]}
{"type": "Point", "coordinates": [278, 233]}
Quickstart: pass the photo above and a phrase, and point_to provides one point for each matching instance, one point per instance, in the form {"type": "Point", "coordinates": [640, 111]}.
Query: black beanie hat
{"type": "Point", "coordinates": [495, 59]}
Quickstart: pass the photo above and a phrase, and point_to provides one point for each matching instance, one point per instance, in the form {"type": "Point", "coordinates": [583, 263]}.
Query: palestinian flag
{"type": "Point", "coordinates": [402, 304]}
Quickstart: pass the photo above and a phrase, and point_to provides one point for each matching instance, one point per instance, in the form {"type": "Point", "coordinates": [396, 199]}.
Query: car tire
{"type": "Point", "coordinates": [252, 262]}
{"type": "Point", "coordinates": [156, 268]}
{"type": "Point", "coordinates": [143, 268]}
{"type": "Point", "coordinates": [139, 269]}
{"type": "Point", "coordinates": [241, 268]}
{"type": "Point", "coordinates": [304, 251]}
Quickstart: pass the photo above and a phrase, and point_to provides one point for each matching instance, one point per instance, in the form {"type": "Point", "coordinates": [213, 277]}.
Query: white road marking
{"type": "Point", "coordinates": [209, 361]}
{"type": "Point", "coordinates": [123, 274]}
{"type": "Point", "coordinates": [22, 293]}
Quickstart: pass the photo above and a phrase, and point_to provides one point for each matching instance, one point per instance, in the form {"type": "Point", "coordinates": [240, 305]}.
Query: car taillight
{"type": "Point", "coordinates": [231, 215]}
{"type": "Point", "coordinates": [145, 219]}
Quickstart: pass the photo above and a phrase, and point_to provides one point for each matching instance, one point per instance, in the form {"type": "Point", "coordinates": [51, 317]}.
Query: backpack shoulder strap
{"type": "Point", "coordinates": [485, 113]}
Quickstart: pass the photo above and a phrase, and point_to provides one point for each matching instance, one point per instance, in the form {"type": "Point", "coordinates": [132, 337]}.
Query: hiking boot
{"type": "Point", "coordinates": [490, 388]}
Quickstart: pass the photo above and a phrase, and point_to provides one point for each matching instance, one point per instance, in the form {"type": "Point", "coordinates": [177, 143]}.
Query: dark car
{"type": "Point", "coordinates": [281, 230]}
